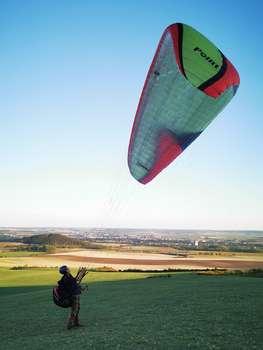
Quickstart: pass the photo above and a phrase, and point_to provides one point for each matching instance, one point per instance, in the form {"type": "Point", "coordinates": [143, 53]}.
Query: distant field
{"type": "Point", "coordinates": [131, 311]}
{"type": "Point", "coordinates": [18, 254]}
{"type": "Point", "coordinates": [141, 262]}
{"type": "Point", "coordinates": [132, 260]}
{"type": "Point", "coordinates": [225, 255]}
{"type": "Point", "coordinates": [10, 244]}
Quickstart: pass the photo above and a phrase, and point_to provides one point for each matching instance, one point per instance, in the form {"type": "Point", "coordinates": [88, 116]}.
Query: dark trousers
{"type": "Point", "coordinates": [74, 314]}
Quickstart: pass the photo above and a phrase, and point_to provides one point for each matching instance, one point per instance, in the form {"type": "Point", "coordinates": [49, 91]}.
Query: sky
{"type": "Point", "coordinates": [71, 77]}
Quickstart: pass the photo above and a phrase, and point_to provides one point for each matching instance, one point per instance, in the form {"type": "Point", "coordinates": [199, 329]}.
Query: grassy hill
{"type": "Point", "coordinates": [131, 311]}
{"type": "Point", "coordinates": [54, 239]}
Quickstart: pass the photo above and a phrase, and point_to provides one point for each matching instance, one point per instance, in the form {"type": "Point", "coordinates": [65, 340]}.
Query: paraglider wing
{"type": "Point", "coordinates": [189, 82]}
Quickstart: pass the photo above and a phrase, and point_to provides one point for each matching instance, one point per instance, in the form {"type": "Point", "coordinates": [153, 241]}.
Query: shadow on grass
{"type": "Point", "coordinates": [185, 311]}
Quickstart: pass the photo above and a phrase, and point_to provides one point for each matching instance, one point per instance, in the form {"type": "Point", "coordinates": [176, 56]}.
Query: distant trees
{"type": "Point", "coordinates": [57, 240]}
{"type": "Point", "coordinates": [52, 239]}
{"type": "Point", "coordinates": [6, 238]}
{"type": "Point", "coordinates": [36, 248]}
{"type": "Point", "coordinates": [224, 247]}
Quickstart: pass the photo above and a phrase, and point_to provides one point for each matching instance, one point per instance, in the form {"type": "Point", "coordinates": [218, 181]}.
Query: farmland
{"type": "Point", "coordinates": [132, 260]}
{"type": "Point", "coordinates": [136, 250]}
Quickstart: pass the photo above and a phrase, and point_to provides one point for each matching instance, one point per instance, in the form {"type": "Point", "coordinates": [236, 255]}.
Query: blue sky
{"type": "Point", "coordinates": [71, 76]}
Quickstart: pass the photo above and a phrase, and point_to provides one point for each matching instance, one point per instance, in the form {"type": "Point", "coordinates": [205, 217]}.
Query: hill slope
{"type": "Point", "coordinates": [54, 239]}
{"type": "Point", "coordinates": [180, 312]}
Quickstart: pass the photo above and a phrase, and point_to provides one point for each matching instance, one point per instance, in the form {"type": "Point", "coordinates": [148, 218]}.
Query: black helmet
{"type": "Point", "coordinates": [63, 269]}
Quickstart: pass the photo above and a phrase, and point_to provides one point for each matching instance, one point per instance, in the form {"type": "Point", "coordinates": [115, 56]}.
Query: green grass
{"type": "Point", "coordinates": [49, 276]}
{"type": "Point", "coordinates": [131, 311]}
{"type": "Point", "coordinates": [20, 253]}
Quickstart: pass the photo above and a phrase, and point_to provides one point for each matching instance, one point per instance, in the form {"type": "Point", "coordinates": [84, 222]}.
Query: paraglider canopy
{"type": "Point", "coordinates": [189, 82]}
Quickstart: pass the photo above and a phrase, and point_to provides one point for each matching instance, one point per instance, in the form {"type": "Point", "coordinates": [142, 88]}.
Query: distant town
{"type": "Point", "coordinates": [203, 240]}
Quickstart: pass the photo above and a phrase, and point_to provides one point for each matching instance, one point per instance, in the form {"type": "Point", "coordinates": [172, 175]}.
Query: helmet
{"type": "Point", "coordinates": [63, 269]}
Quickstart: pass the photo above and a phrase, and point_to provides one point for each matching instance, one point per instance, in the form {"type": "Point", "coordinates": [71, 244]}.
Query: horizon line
{"type": "Point", "coordinates": [130, 228]}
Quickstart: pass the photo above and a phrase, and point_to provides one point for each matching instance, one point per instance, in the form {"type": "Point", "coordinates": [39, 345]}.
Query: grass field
{"type": "Point", "coordinates": [19, 254]}
{"type": "Point", "coordinates": [133, 311]}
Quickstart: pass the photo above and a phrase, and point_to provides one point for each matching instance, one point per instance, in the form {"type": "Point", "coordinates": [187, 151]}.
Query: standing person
{"type": "Point", "coordinates": [69, 287]}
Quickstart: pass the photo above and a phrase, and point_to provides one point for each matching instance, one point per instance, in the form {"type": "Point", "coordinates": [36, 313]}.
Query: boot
{"type": "Point", "coordinates": [71, 322]}
{"type": "Point", "coordinates": [77, 323]}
